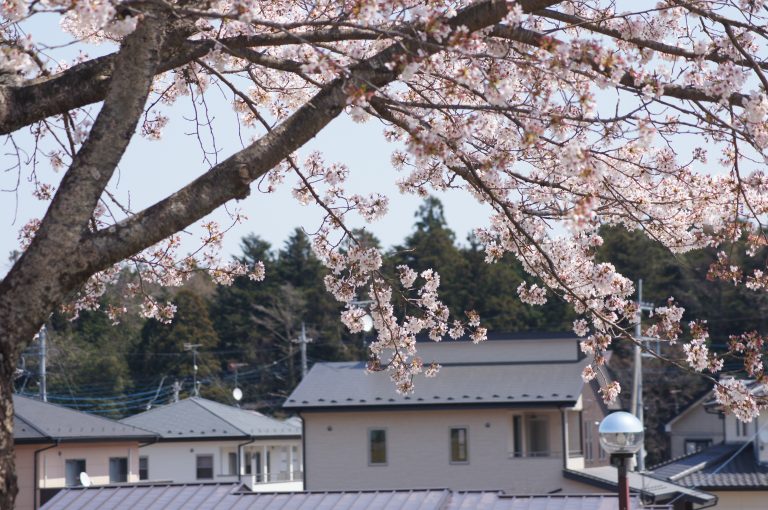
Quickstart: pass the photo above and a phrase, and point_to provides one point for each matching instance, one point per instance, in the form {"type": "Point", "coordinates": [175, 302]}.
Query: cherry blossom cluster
{"type": "Point", "coordinates": [561, 120]}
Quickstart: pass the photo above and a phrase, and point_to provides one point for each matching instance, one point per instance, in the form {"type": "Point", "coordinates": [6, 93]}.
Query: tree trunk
{"type": "Point", "coordinates": [8, 486]}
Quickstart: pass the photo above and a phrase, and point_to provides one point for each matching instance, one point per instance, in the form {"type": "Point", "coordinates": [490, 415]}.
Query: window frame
{"type": "Point", "coordinates": [451, 450]}
{"type": "Point", "coordinates": [77, 475]}
{"type": "Point", "coordinates": [369, 444]}
{"type": "Point", "coordinates": [198, 458]}
{"type": "Point", "coordinates": [588, 441]}
{"type": "Point", "coordinates": [122, 460]}
{"type": "Point", "coordinates": [704, 443]}
{"type": "Point", "coordinates": [144, 458]}
{"type": "Point", "coordinates": [519, 446]}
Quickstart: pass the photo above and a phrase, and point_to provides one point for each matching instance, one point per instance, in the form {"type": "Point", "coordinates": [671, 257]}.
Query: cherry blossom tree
{"type": "Point", "coordinates": [562, 116]}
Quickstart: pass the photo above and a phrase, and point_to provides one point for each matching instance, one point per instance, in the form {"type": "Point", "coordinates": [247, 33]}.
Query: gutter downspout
{"type": "Point", "coordinates": [239, 458]}
{"type": "Point", "coordinates": [303, 452]}
{"type": "Point", "coordinates": [150, 443]}
{"type": "Point", "coordinates": [36, 478]}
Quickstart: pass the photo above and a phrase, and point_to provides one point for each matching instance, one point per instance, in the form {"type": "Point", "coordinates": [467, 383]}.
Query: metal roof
{"type": "Point", "coordinates": [348, 384]}
{"type": "Point", "coordinates": [37, 421]}
{"type": "Point", "coordinates": [198, 418]}
{"type": "Point", "coordinates": [227, 497]}
{"type": "Point", "coordinates": [496, 501]}
{"type": "Point", "coordinates": [518, 335]}
{"type": "Point", "coordinates": [645, 485]}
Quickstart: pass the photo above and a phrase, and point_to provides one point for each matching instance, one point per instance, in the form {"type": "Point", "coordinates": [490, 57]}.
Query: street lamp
{"type": "Point", "coordinates": [621, 435]}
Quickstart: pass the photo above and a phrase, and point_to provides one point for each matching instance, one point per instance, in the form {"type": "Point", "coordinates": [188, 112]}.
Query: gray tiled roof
{"type": "Point", "coordinates": [677, 468]}
{"type": "Point", "coordinates": [225, 497]}
{"type": "Point", "coordinates": [36, 421]}
{"type": "Point", "coordinates": [199, 418]}
{"type": "Point", "coordinates": [347, 384]}
{"type": "Point", "coordinates": [737, 470]}
{"type": "Point", "coordinates": [648, 486]}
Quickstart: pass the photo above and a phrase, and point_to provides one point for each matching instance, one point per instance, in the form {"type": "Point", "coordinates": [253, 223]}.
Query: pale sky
{"type": "Point", "coordinates": [151, 170]}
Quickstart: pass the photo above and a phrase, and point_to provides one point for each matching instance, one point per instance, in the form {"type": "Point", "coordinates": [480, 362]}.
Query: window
{"type": "Point", "coordinates": [459, 445]}
{"type": "Point", "coordinates": [143, 468]}
{"type": "Point", "coordinates": [118, 470]}
{"type": "Point", "coordinates": [377, 447]}
{"type": "Point", "coordinates": [517, 436]}
{"type": "Point", "coordinates": [588, 445]}
{"type": "Point", "coordinates": [72, 470]}
{"type": "Point", "coordinates": [696, 445]}
{"type": "Point", "coordinates": [537, 435]}
{"type": "Point", "coordinates": [741, 428]}
{"type": "Point", "coordinates": [205, 467]}
{"type": "Point", "coordinates": [530, 435]}
{"type": "Point", "coordinates": [248, 463]}
{"type": "Point", "coordinates": [232, 462]}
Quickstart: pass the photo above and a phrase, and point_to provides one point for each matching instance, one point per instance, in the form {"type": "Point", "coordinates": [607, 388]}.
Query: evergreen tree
{"type": "Point", "coordinates": [491, 290]}
{"type": "Point", "coordinates": [164, 348]}
{"type": "Point", "coordinates": [432, 246]}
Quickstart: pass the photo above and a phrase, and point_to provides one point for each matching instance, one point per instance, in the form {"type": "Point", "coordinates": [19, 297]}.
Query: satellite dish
{"type": "Point", "coordinates": [85, 480]}
{"type": "Point", "coordinates": [237, 394]}
{"type": "Point", "coordinates": [367, 322]}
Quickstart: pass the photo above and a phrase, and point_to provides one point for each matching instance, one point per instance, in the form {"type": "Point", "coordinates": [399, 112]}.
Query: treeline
{"type": "Point", "coordinates": [252, 325]}
{"type": "Point", "coordinates": [247, 331]}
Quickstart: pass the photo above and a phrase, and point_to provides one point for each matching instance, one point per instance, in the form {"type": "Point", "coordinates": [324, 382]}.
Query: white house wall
{"type": "Point", "coordinates": [176, 461]}
{"type": "Point", "coordinates": [418, 452]}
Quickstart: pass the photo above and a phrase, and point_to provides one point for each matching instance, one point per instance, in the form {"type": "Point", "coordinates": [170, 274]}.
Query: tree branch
{"type": "Point", "coordinates": [231, 178]}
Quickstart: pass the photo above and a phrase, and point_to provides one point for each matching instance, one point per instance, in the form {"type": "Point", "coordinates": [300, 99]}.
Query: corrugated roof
{"type": "Point", "coordinates": [35, 420]}
{"type": "Point", "coordinates": [226, 497]}
{"type": "Point", "coordinates": [495, 501]}
{"type": "Point", "coordinates": [347, 384]}
{"type": "Point", "coordinates": [201, 418]}
{"type": "Point", "coordinates": [648, 486]}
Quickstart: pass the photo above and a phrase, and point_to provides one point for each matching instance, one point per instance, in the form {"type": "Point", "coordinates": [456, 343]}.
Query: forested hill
{"type": "Point", "coordinates": [121, 369]}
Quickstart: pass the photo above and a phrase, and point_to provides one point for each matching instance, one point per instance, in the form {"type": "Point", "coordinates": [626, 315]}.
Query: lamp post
{"type": "Point", "coordinates": [621, 435]}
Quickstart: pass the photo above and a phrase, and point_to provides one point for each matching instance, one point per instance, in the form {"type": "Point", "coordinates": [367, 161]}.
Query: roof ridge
{"type": "Point", "coordinates": [196, 401]}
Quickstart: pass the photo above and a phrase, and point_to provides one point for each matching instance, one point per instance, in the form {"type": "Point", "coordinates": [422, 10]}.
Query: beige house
{"type": "Point", "coordinates": [724, 456]}
{"type": "Point", "coordinates": [200, 440]}
{"type": "Point", "coordinates": [55, 445]}
{"type": "Point", "coordinates": [511, 414]}
{"type": "Point", "coordinates": [697, 427]}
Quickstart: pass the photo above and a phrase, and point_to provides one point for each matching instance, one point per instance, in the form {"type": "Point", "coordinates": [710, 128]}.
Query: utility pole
{"type": "Point", "coordinates": [303, 340]}
{"type": "Point", "coordinates": [194, 348]}
{"type": "Point", "coordinates": [43, 360]}
{"type": "Point", "coordinates": [637, 375]}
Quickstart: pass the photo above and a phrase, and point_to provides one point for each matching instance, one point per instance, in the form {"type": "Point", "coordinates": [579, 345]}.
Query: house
{"type": "Point", "coordinates": [230, 497]}
{"type": "Point", "coordinates": [201, 440]}
{"type": "Point", "coordinates": [54, 445]}
{"type": "Point", "coordinates": [730, 460]}
{"type": "Point", "coordinates": [509, 413]}
{"type": "Point", "coordinates": [695, 428]}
